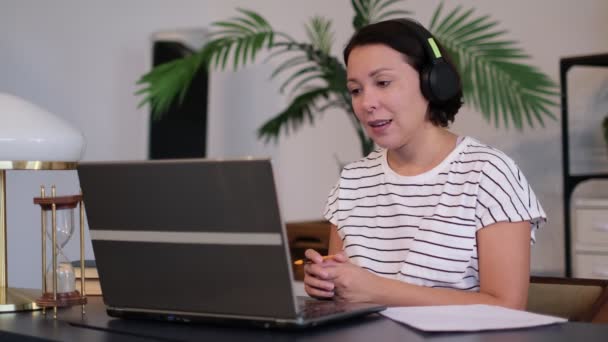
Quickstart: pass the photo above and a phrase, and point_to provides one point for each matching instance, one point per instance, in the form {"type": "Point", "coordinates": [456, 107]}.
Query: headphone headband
{"type": "Point", "coordinates": [425, 38]}
{"type": "Point", "coordinates": [439, 81]}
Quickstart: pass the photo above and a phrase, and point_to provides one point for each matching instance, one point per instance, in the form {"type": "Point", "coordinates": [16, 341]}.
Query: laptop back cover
{"type": "Point", "coordinates": [197, 236]}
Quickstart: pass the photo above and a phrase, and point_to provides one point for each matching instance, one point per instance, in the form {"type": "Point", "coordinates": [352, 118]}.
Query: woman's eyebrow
{"type": "Point", "coordinates": [371, 73]}
{"type": "Point", "coordinates": [377, 71]}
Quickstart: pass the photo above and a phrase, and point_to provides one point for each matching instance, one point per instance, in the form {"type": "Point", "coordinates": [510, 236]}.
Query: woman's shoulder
{"type": "Point", "coordinates": [371, 162]}
{"type": "Point", "coordinates": [475, 149]}
{"type": "Point", "coordinates": [493, 160]}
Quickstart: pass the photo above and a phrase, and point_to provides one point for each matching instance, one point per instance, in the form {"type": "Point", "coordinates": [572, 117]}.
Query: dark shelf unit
{"type": "Point", "coordinates": [572, 181]}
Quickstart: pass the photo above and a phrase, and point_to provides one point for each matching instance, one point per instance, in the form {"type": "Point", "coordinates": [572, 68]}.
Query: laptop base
{"type": "Point", "coordinates": [325, 312]}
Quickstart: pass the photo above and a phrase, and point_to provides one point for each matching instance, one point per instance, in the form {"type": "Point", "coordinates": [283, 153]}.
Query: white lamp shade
{"type": "Point", "coordinates": [30, 133]}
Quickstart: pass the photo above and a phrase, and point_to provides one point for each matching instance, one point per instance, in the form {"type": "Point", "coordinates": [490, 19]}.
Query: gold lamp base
{"type": "Point", "coordinates": [16, 299]}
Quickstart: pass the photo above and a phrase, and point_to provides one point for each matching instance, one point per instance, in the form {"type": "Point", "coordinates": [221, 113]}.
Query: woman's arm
{"type": "Point", "coordinates": [504, 270]}
{"type": "Point", "coordinates": [335, 242]}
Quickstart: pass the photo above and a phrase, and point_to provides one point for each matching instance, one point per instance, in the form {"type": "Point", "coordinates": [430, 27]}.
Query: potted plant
{"type": "Point", "coordinates": [496, 80]}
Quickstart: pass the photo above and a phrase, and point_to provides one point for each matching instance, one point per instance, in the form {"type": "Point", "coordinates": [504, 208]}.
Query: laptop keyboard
{"type": "Point", "coordinates": [315, 309]}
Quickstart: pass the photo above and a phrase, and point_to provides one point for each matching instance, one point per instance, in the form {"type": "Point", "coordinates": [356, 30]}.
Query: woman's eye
{"type": "Point", "coordinates": [354, 91]}
{"type": "Point", "coordinates": [383, 83]}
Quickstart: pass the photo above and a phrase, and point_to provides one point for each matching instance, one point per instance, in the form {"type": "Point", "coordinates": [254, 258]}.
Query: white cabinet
{"type": "Point", "coordinates": [590, 237]}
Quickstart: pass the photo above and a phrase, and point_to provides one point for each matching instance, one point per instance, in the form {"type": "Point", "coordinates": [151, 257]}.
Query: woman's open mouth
{"type": "Point", "coordinates": [378, 126]}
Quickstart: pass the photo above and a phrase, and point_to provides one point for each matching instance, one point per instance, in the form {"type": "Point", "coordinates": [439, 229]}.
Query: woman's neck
{"type": "Point", "coordinates": [422, 152]}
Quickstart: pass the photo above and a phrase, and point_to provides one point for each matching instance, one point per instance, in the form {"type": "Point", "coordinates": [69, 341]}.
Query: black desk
{"type": "Point", "coordinates": [372, 328]}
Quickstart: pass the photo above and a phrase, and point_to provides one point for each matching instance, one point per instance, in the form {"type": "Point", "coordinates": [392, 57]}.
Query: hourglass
{"type": "Point", "coordinates": [58, 277]}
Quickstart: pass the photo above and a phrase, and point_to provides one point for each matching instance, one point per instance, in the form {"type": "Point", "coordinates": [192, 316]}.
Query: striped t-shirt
{"type": "Point", "coordinates": [422, 229]}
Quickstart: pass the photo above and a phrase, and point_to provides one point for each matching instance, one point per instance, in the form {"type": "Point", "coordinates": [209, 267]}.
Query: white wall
{"type": "Point", "coordinates": [80, 60]}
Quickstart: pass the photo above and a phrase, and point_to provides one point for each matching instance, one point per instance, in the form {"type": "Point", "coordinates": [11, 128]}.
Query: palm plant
{"type": "Point", "coordinates": [496, 82]}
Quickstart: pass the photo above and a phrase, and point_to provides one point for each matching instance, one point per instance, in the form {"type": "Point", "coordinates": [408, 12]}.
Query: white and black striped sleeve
{"type": "Point", "coordinates": [331, 207]}
{"type": "Point", "coordinates": [504, 195]}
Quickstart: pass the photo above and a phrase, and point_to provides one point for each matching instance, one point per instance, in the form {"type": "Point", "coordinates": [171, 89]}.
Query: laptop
{"type": "Point", "coordinates": [196, 240]}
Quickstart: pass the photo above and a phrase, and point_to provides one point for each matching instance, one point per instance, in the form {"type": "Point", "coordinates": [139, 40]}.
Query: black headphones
{"type": "Point", "coordinates": [439, 81]}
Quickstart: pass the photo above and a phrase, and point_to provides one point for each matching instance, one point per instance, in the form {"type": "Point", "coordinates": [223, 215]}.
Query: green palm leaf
{"type": "Point", "coordinates": [311, 62]}
{"type": "Point", "coordinates": [299, 59]}
{"type": "Point", "coordinates": [329, 72]}
{"type": "Point", "coordinates": [302, 108]}
{"type": "Point", "coordinates": [371, 11]}
{"type": "Point", "coordinates": [165, 83]}
{"type": "Point", "coordinates": [495, 79]}
{"type": "Point", "coordinates": [240, 38]}
{"type": "Point", "coordinates": [309, 67]}
{"type": "Point", "coordinates": [320, 34]}
{"type": "Point", "coordinates": [247, 35]}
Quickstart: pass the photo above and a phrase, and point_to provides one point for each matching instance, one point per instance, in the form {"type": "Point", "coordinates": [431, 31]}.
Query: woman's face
{"type": "Point", "coordinates": [386, 95]}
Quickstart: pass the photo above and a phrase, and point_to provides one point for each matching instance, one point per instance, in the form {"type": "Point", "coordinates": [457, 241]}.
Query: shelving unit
{"type": "Point", "coordinates": [572, 181]}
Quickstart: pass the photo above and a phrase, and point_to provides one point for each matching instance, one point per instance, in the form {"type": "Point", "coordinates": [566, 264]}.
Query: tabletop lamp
{"type": "Point", "coordinates": [31, 138]}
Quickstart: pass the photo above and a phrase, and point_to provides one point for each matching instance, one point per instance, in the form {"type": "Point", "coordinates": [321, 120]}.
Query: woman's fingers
{"type": "Point", "coordinates": [315, 283]}
{"type": "Point", "coordinates": [340, 257]}
{"type": "Point", "coordinates": [318, 283]}
{"type": "Point", "coordinates": [316, 287]}
{"type": "Point", "coordinates": [316, 270]}
{"type": "Point", "coordinates": [317, 293]}
{"type": "Point", "coordinates": [313, 256]}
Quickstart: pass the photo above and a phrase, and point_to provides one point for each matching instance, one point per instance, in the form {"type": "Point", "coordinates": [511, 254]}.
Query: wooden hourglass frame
{"type": "Point", "coordinates": [54, 298]}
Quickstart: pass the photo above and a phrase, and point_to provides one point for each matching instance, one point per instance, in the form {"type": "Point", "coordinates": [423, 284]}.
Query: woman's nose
{"type": "Point", "coordinates": [369, 101]}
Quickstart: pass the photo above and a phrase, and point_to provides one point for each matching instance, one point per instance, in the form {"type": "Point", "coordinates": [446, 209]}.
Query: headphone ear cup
{"type": "Point", "coordinates": [425, 84]}
{"type": "Point", "coordinates": [441, 81]}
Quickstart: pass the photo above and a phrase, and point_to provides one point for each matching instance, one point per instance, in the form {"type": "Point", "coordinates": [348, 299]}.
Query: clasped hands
{"type": "Point", "coordinates": [337, 278]}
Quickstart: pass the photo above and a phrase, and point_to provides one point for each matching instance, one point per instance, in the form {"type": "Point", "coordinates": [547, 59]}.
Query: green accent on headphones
{"type": "Point", "coordinates": [435, 48]}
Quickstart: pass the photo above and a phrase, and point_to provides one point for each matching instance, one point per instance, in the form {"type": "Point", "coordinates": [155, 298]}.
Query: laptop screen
{"type": "Point", "coordinates": [201, 236]}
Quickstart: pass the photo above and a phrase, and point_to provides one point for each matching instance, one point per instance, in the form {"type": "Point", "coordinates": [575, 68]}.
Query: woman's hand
{"type": "Point", "coordinates": [352, 283]}
{"type": "Point", "coordinates": [316, 278]}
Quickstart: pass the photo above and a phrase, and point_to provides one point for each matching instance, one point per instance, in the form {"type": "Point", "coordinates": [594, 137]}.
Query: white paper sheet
{"type": "Point", "coordinates": [467, 317]}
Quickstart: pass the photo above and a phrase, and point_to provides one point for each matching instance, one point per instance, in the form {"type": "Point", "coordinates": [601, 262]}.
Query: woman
{"type": "Point", "coordinates": [430, 218]}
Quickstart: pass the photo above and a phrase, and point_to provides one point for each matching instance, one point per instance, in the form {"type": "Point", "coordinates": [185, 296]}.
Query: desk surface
{"type": "Point", "coordinates": [373, 327]}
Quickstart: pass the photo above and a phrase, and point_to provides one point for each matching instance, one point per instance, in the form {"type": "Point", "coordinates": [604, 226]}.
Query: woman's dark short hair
{"type": "Point", "coordinates": [402, 38]}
